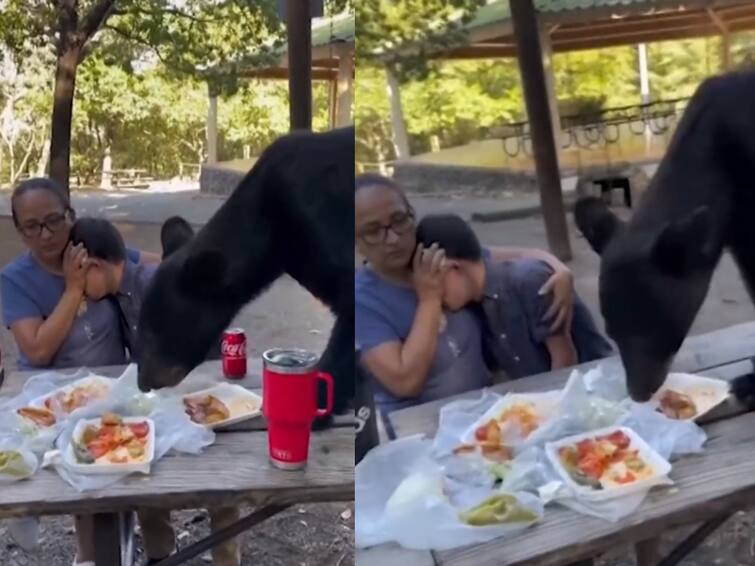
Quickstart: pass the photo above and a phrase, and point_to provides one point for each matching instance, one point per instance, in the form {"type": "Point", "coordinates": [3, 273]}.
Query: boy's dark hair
{"type": "Point", "coordinates": [101, 239]}
{"type": "Point", "coordinates": [39, 184]}
{"type": "Point", "coordinates": [452, 234]}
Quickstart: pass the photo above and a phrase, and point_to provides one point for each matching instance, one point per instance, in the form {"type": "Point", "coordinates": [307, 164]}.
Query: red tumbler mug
{"type": "Point", "coordinates": [289, 403]}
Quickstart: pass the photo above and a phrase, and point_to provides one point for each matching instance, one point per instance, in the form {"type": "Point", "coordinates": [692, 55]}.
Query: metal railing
{"type": "Point", "coordinates": [588, 131]}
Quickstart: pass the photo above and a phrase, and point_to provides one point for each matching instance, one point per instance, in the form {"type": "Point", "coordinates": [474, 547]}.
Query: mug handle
{"type": "Point", "coordinates": [328, 379]}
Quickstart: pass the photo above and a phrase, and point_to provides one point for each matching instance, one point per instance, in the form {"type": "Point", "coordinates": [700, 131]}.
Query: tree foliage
{"type": "Point", "coordinates": [404, 34]}
{"type": "Point", "coordinates": [149, 118]}
{"type": "Point", "coordinates": [212, 38]}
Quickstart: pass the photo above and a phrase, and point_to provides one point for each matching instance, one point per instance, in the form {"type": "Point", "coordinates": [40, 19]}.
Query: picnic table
{"type": "Point", "coordinates": [234, 470]}
{"type": "Point", "coordinates": [134, 178]}
{"type": "Point", "coordinates": [708, 487]}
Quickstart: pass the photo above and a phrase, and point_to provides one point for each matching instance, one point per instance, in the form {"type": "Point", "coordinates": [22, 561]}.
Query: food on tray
{"type": "Point", "coordinates": [112, 442]}
{"type": "Point", "coordinates": [12, 463]}
{"type": "Point", "coordinates": [497, 509]}
{"type": "Point", "coordinates": [604, 461]}
{"type": "Point", "coordinates": [494, 452]}
{"type": "Point", "coordinates": [518, 419]}
{"type": "Point", "coordinates": [81, 395]}
{"type": "Point", "coordinates": [676, 405]}
{"type": "Point", "coordinates": [413, 488]}
{"type": "Point", "coordinates": [39, 416]}
{"type": "Point", "coordinates": [488, 433]}
{"type": "Point", "coordinates": [206, 409]}
{"type": "Point", "coordinates": [522, 415]}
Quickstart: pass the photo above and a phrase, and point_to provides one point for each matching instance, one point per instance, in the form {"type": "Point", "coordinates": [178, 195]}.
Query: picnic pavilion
{"type": "Point", "coordinates": [533, 30]}
{"type": "Point", "coordinates": [326, 53]}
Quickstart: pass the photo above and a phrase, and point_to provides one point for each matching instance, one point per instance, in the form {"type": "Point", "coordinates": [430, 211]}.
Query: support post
{"type": "Point", "coordinates": [299, 20]}
{"type": "Point", "coordinates": [550, 84]}
{"type": "Point", "coordinates": [642, 63]}
{"type": "Point", "coordinates": [106, 182]}
{"type": "Point", "coordinates": [212, 129]}
{"type": "Point", "coordinates": [398, 126]}
{"type": "Point", "coordinates": [725, 38]}
{"type": "Point", "coordinates": [529, 55]}
{"type": "Point", "coordinates": [726, 51]}
{"type": "Point", "coordinates": [344, 87]}
{"type": "Point", "coordinates": [333, 103]}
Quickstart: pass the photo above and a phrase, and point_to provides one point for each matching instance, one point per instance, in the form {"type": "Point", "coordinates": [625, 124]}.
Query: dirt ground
{"type": "Point", "coordinates": [311, 535]}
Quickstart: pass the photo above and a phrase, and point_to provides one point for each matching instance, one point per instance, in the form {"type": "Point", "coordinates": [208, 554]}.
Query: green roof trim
{"type": "Point", "coordinates": [497, 12]}
{"type": "Point", "coordinates": [333, 30]}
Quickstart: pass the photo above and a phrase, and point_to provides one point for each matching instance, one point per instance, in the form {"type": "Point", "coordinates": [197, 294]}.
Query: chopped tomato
{"type": "Point", "coordinates": [618, 438]}
{"type": "Point", "coordinates": [97, 448]}
{"type": "Point", "coordinates": [592, 465]}
{"type": "Point", "coordinates": [140, 430]}
{"type": "Point", "coordinates": [628, 478]}
{"type": "Point", "coordinates": [584, 447]}
{"type": "Point", "coordinates": [481, 433]}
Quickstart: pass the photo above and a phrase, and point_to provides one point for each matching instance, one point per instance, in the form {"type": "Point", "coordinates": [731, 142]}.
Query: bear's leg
{"type": "Point", "coordinates": [338, 361]}
{"type": "Point", "coordinates": [743, 387]}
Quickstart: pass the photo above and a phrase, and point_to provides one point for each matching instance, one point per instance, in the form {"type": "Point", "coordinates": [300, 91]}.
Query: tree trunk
{"type": "Point", "coordinates": [62, 113]}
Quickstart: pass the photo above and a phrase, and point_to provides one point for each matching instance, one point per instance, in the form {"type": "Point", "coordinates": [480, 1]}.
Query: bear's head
{"type": "Point", "coordinates": [186, 308]}
{"type": "Point", "coordinates": [653, 280]}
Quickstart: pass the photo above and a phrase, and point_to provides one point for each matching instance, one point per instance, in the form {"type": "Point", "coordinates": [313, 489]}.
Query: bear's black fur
{"type": "Point", "coordinates": [174, 233]}
{"type": "Point", "coordinates": [656, 269]}
{"type": "Point", "coordinates": [293, 213]}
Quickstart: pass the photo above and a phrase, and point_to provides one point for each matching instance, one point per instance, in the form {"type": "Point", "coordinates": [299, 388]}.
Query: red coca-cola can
{"type": "Point", "coordinates": [233, 350]}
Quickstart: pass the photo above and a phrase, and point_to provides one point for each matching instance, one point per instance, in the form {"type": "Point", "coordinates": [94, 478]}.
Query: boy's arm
{"type": "Point", "coordinates": [560, 283]}
{"type": "Point", "coordinates": [562, 351]}
{"type": "Point", "coordinates": [528, 277]}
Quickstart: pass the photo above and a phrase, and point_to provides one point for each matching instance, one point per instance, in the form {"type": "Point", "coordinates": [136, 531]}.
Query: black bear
{"type": "Point", "coordinates": [292, 213]}
{"type": "Point", "coordinates": [175, 232]}
{"type": "Point", "coordinates": [656, 269]}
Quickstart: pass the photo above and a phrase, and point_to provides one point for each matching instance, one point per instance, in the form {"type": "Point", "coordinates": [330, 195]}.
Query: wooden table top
{"type": "Point", "coordinates": [233, 470]}
{"type": "Point", "coordinates": [721, 479]}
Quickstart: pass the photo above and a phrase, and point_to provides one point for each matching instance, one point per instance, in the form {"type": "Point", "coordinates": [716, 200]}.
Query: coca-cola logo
{"type": "Point", "coordinates": [234, 350]}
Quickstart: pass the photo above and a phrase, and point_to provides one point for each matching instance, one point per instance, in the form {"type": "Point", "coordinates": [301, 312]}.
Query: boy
{"type": "Point", "coordinates": [112, 274]}
{"type": "Point", "coordinates": [518, 339]}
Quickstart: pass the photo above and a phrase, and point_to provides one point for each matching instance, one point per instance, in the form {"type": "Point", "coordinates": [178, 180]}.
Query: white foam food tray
{"type": "Point", "coordinates": [545, 405]}
{"type": "Point", "coordinates": [242, 404]}
{"type": "Point", "coordinates": [39, 402]}
{"type": "Point", "coordinates": [659, 466]}
{"type": "Point", "coordinates": [103, 467]}
{"type": "Point", "coordinates": [706, 392]}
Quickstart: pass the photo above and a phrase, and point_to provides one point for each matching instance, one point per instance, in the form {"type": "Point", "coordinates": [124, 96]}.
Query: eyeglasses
{"type": "Point", "coordinates": [400, 224]}
{"type": "Point", "coordinates": [54, 223]}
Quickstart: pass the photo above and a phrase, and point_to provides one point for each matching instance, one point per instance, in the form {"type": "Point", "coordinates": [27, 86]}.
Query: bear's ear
{"type": "Point", "coordinates": [204, 273]}
{"type": "Point", "coordinates": [686, 245]}
{"type": "Point", "coordinates": [596, 222]}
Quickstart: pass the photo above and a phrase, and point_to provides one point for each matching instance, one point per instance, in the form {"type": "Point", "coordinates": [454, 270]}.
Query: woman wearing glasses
{"type": "Point", "coordinates": [415, 351]}
{"type": "Point", "coordinates": [43, 290]}
{"type": "Point", "coordinates": [44, 306]}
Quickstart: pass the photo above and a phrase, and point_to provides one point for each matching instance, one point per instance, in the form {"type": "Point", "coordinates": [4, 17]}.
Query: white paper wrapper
{"type": "Point", "coordinates": [589, 402]}
{"type": "Point", "coordinates": [429, 519]}
{"type": "Point", "coordinates": [173, 428]}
